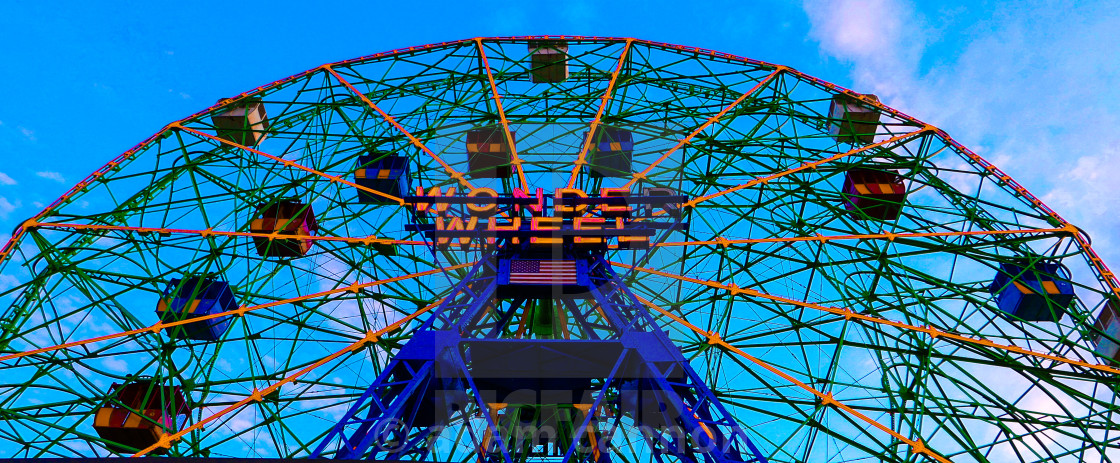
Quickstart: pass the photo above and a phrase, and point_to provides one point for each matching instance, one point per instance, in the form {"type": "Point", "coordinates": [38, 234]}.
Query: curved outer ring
{"type": "Point", "coordinates": [1105, 275]}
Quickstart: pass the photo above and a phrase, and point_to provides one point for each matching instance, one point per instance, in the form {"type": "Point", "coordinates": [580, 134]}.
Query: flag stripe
{"type": "Point", "coordinates": [543, 272]}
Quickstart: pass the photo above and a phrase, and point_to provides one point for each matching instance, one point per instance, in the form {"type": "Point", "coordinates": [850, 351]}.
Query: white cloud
{"type": "Point", "coordinates": [876, 35]}
{"type": "Point", "coordinates": [6, 180]}
{"type": "Point", "coordinates": [27, 133]}
{"type": "Point", "coordinates": [1031, 86]}
{"type": "Point", "coordinates": [116, 364]}
{"type": "Point", "coordinates": [6, 207]}
{"type": "Point", "coordinates": [1029, 82]}
{"type": "Point", "coordinates": [7, 281]}
{"type": "Point", "coordinates": [51, 176]}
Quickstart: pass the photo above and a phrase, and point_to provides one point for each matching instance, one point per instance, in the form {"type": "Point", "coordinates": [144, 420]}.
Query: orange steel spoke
{"type": "Point", "coordinates": [826, 399]}
{"type": "Point", "coordinates": [599, 115]}
{"type": "Point", "coordinates": [849, 314]}
{"type": "Point", "coordinates": [705, 125]}
{"type": "Point", "coordinates": [159, 326]}
{"type": "Point", "coordinates": [211, 232]}
{"type": "Point", "coordinates": [870, 236]}
{"type": "Point", "coordinates": [807, 165]}
{"type": "Point", "coordinates": [258, 394]}
{"type": "Point", "coordinates": [451, 172]}
{"type": "Point", "coordinates": [288, 163]}
{"type": "Point", "coordinates": [502, 115]}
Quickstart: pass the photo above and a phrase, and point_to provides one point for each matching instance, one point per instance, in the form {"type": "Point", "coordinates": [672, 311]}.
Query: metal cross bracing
{"type": "Point", "coordinates": [828, 335]}
{"type": "Point", "coordinates": [429, 382]}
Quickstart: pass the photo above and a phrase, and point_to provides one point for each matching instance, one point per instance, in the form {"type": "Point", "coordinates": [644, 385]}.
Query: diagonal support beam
{"type": "Point", "coordinates": [451, 172]}
{"type": "Point", "coordinates": [502, 115]}
{"type": "Point", "coordinates": [160, 326]}
{"type": "Point", "coordinates": [288, 163]}
{"type": "Point", "coordinates": [720, 241]}
{"type": "Point", "coordinates": [259, 394]}
{"type": "Point", "coordinates": [806, 166]}
{"type": "Point", "coordinates": [849, 314]}
{"type": "Point", "coordinates": [916, 446]}
{"type": "Point", "coordinates": [369, 240]}
{"type": "Point", "coordinates": [599, 115]}
{"type": "Point", "coordinates": [688, 139]}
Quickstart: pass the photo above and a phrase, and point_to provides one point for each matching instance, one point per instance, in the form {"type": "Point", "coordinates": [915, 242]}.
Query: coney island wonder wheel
{"type": "Point", "coordinates": [556, 249]}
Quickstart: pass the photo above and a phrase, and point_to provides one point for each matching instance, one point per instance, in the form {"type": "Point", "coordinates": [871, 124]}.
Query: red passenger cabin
{"type": "Point", "coordinates": [139, 414]}
{"type": "Point", "coordinates": [488, 153]}
{"type": "Point", "coordinates": [875, 194]}
{"type": "Point", "coordinates": [288, 217]}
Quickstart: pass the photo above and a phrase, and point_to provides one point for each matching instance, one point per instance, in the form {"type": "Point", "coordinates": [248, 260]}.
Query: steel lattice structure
{"type": "Point", "coordinates": [827, 333]}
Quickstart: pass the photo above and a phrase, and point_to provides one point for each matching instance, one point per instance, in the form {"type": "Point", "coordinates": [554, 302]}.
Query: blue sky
{"type": "Point", "coordinates": [1034, 86]}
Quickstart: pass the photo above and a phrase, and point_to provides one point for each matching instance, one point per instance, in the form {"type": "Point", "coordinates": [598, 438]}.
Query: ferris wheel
{"type": "Point", "coordinates": [556, 249]}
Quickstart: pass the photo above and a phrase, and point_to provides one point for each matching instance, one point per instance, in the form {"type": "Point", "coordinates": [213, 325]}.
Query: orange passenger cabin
{"type": "Point", "coordinates": [488, 153]}
{"type": "Point", "coordinates": [139, 413]}
{"type": "Point", "coordinates": [852, 120]}
{"type": "Point", "coordinates": [549, 61]}
{"type": "Point", "coordinates": [611, 153]}
{"type": "Point", "coordinates": [1106, 334]}
{"type": "Point", "coordinates": [875, 194]}
{"type": "Point", "coordinates": [288, 217]}
{"type": "Point", "coordinates": [244, 122]}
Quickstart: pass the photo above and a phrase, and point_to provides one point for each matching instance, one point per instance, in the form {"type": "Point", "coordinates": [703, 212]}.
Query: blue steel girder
{"type": "Point", "coordinates": [689, 422]}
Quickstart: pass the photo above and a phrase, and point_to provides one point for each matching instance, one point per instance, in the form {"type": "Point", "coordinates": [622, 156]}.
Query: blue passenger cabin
{"type": "Point", "coordinates": [194, 297]}
{"type": "Point", "coordinates": [384, 173]}
{"type": "Point", "coordinates": [488, 153]}
{"type": "Point", "coordinates": [1033, 292]}
{"type": "Point", "coordinates": [542, 278]}
{"type": "Point", "coordinates": [612, 153]}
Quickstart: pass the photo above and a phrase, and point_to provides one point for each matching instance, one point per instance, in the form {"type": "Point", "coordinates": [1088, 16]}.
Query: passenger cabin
{"type": "Point", "coordinates": [876, 194]}
{"type": "Point", "coordinates": [852, 120]}
{"type": "Point", "coordinates": [549, 61]}
{"type": "Point", "coordinates": [542, 278]}
{"type": "Point", "coordinates": [612, 153]}
{"type": "Point", "coordinates": [286, 218]}
{"type": "Point", "coordinates": [488, 153]}
{"type": "Point", "coordinates": [384, 173]}
{"type": "Point", "coordinates": [1033, 292]}
{"type": "Point", "coordinates": [139, 413]}
{"type": "Point", "coordinates": [244, 122]}
{"type": "Point", "coordinates": [1106, 337]}
{"type": "Point", "coordinates": [194, 297]}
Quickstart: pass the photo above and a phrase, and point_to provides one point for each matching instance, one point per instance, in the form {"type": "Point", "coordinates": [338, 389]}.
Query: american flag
{"type": "Point", "coordinates": [542, 272]}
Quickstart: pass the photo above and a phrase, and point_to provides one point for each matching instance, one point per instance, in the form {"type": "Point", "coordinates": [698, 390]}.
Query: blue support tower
{"type": "Point", "coordinates": [540, 354]}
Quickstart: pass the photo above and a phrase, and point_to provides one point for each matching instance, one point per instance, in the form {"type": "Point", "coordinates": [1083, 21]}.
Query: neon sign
{"type": "Point", "coordinates": [567, 218]}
